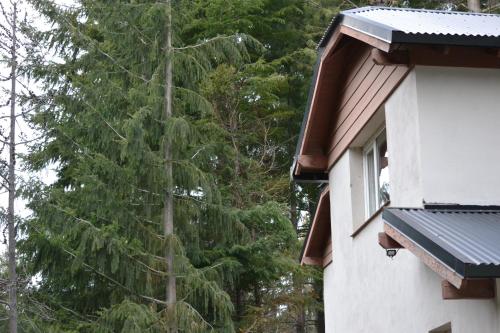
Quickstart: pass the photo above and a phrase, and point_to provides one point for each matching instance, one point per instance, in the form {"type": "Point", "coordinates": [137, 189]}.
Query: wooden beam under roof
{"type": "Point", "coordinates": [317, 162]}
{"type": "Point", "coordinates": [471, 289]}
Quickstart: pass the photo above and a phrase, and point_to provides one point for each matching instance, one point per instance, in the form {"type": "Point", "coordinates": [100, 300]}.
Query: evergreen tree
{"type": "Point", "coordinates": [133, 206]}
{"type": "Point", "coordinates": [172, 132]}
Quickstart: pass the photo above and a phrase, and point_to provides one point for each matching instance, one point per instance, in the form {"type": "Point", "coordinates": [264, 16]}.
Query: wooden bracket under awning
{"type": "Point", "coordinates": [387, 242]}
{"type": "Point", "coordinates": [442, 270]}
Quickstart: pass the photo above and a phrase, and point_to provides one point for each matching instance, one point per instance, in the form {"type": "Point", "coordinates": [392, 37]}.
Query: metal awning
{"type": "Point", "coordinates": [465, 239]}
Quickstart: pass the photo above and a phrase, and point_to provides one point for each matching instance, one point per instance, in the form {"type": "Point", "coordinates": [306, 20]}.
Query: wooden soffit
{"type": "Point", "coordinates": [345, 75]}
{"type": "Point", "coordinates": [356, 73]}
{"type": "Point", "coordinates": [318, 245]}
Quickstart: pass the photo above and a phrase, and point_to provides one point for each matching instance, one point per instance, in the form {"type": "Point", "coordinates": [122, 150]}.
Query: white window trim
{"type": "Point", "coordinates": [371, 145]}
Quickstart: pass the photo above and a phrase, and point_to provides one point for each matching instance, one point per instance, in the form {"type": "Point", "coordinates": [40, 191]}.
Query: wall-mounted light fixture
{"type": "Point", "coordinates": [391, 252]}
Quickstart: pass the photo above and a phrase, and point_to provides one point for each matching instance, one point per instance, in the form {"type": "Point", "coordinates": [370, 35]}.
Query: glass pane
{"type": "Point", "coordinates": [383, 169]}
{"type": "Point", "coordinates": [371, 185]}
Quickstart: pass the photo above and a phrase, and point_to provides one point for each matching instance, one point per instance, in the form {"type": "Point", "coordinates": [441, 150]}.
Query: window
{"type": "Point", "coordinates": [376, 169]}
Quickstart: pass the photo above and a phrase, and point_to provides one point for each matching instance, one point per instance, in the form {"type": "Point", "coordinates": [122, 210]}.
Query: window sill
{"type": "Point", "coordinates": [371, 218]}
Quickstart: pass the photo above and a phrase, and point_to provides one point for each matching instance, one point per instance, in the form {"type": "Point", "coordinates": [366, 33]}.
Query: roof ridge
{"type": "Point", "coordinates": [462, 28]}
{"type": "Point", "coordinates": [422, 10]}
{"type": "Point", "coordinates": [452, 208]}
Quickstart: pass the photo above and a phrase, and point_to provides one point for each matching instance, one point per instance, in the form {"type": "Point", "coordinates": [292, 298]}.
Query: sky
{"type": "Point", "coordinates": [23, 132]}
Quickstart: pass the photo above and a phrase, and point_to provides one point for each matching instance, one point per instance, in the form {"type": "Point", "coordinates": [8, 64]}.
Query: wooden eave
{"type": "Point", "coordinates": [338, 67]}
{"type": "Point", "coordinates": [318, 244]}
{"type": "Point", "coordinates": [355, 75]}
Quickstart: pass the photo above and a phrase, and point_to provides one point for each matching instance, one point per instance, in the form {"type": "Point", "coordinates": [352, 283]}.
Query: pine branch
{"type": "Point", "coordinates": [98, 230]}
{"type": "Point", "coordinates": [205, 42]}
{"type": "Point", "coordinates": [107, 277]}
{"type": "Point", "coordinates": [105, 121]}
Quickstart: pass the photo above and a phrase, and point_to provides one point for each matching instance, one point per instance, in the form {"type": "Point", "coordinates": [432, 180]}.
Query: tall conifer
{"type": "Point", "coordinates": [111, 238]}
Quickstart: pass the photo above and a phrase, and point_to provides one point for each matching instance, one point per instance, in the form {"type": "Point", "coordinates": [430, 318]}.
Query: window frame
{"type": "Point", "coordinates": [371, 146]}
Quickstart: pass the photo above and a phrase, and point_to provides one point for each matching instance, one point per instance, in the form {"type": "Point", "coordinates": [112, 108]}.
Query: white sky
{"type": "Point", "coordinates": [23, 132]}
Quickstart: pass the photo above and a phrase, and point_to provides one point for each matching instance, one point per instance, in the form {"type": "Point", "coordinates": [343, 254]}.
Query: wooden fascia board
{"type": "Point", "coordinates": [315, 225]}
{"type": "Point", "coordinates": [437, 266]}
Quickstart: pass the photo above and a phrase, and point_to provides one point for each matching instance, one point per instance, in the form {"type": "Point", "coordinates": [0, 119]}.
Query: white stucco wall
{"type": "Point", "coordinates": [365, 291]}
{"type": "Point", "coordinates": [442, 144]}
{"type": "Point", "coordinates": [443, 129]}
{"type": "Point", "coordinates": [403, 138]}
{"type": "Point", "coordinates": [459, 123]}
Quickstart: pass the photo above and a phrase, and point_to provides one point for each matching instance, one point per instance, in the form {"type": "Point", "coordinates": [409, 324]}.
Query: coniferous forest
{"type": "Point", "coordinates": [170, 127]}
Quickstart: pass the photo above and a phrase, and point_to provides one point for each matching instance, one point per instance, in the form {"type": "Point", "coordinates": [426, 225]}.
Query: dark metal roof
{"type": "Point", "coordinates": [404, 25]}
{"type": "Point", "coordinates": [465, 238]}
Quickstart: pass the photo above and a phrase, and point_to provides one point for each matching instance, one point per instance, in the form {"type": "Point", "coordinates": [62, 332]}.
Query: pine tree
{"type": "Point", "coordinates": [133, 206]}
{"type": "Point", "coordinates": [260, 132]}
{"type": "Point", "coordinates": [172, 134]}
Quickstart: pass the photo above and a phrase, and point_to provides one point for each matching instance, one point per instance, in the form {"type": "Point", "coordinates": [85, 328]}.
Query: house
{"type": "Point", "coordinates": [403, 131]}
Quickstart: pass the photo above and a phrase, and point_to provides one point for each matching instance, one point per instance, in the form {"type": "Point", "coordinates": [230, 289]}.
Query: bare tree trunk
{"type": "Point", "coordinates": [320, 315]}
{"type": "Point", "coordinates": [168, 204]}
{"type": "Point", "coordinates": [12, 182]}
{"type": "Point", "coordinates": [474, 5]}
{"type": "Point", "coordinates": [300, 324]}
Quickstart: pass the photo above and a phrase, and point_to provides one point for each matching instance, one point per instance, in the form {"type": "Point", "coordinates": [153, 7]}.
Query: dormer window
{"type": "Point", "coordinates": [376, 169]}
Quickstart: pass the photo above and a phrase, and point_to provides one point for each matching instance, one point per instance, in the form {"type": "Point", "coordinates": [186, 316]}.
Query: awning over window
{"type": "Point", "coordinates": [458, 242]}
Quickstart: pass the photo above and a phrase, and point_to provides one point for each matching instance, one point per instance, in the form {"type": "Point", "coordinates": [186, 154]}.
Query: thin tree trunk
{"type": "Point", "coordinates": [12, 183]}
{"type": "Point", "coordinates": [293, 208]}
{"type": "Point", "coordinates": [474, 5]}
{"type": "Point", "coordinates": [300, 325]}
{"type": "Point", "coordinates": [168, 204]}
{"type": "Point", "coordinates": [238, 304]}
{"type": "Point", "coordinates": [320, 315]}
